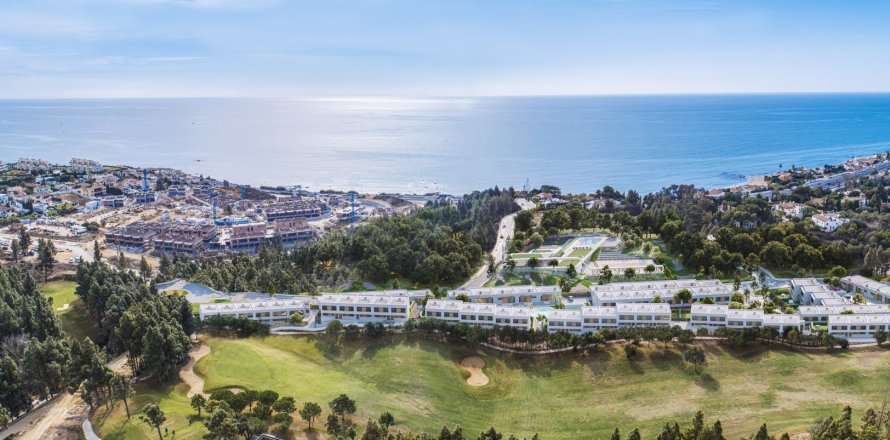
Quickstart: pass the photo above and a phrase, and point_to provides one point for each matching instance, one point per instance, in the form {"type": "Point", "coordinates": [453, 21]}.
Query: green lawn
{"type": "Point", "coordinates": [565, 397]}
{"type": "Point", "coordinates": [538, 256]}
{"type": "Point", "coordinates": [578, 253]}
{"type": "Point", "coordinates": [75, 319]}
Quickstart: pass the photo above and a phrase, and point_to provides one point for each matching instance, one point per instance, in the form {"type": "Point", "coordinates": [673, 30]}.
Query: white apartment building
{"type": "Point", "coordinates": [361, 307]}
{"type": "Point", "coordinates": [271, 311]}
{"type": "Point", "coordinates": [82, 166]}
{"type": "Point", "coordinates": [871, 289]}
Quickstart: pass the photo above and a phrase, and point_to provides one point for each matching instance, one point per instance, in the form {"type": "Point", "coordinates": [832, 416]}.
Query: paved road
{"type": "Point", "coordinates": [838, 180]}
{"type": "Point", "coordinates": [500, 251]}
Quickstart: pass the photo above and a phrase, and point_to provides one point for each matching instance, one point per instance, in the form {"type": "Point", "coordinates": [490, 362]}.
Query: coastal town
{"type": "Point", "coordinates": [793, 260]}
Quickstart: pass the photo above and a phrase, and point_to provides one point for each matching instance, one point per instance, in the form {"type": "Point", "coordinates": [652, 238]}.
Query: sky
{"type": "Point", "coordinates": [338, 48]}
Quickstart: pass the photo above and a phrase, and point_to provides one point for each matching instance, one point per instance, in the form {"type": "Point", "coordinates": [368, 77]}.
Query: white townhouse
{"type": "Point", "coordinates": [809, 291]}
{"type": "Point", "coordinates": [646, 291]}
{"type": "Point", "coordinates": [582, 320]}
{"type": "Point", "coordinates": [509, 294]}
{"type": "Point", "coordinates": [712, 316]}
{"type": "Point", "coordinates": [268, 312]}
{"type": "Point", "coordinates": [443, 310]}
{"type": "Point", "coordinates": [860, 327]}
{"type": "Point", "coordinates": [874, 290]}
{"type": "Point", "coordinates": [644, 315]}
{"type": "Point", "coordinates": [478, 314]}
{"type": "Point", "coordinates": [360, 308]}
{"type": "Point", "coordinates": [413, 295]}
{"type": "Point", "coordinates": [820, 314]}
{"type": "Point", "coordinates": [566, 320]}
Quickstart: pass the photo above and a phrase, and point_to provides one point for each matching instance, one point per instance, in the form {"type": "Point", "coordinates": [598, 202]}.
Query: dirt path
{"type": "Point", "coordinates": [62, 418]}
{"type": "Point", "coordinates": [474, 365]}
{"type": "Point", "coordinates": [62, 421]}
{"type": "Point", "coordinates": [187, 374]}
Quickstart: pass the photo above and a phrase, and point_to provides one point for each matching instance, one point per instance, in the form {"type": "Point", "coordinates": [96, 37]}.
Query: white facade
{"type": "Point", "coordinates": [583, 320]}
{"type": "Point", "coordinates": [871, 289]}
{"type": "Point", "coordinates": [643, 315]}
{"type": "Point", "coordinates": [828, 221]}
{"type": "Point", "coordinates": [509, 294]}
{"type": "Point", "coordinates": [810, 291]}
{"type": "Point", "coordinates": [821, 314]}
{"type": "Point", "coordinates": [479, 314]}
{"type": "Point", "coordinates": [853, 326]}
{"type": "Point", "coordinates": [278, 310]}
{"type": "Point", "coordinates": [360, 308]}
{"type": "Point", "coordinates": [713, 316]}
{"type": "Point", "coordinates": [646, 291]}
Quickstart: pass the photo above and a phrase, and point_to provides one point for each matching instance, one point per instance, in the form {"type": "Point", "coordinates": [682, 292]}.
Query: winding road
{"type": "Point", "coordinates": [499, 252]}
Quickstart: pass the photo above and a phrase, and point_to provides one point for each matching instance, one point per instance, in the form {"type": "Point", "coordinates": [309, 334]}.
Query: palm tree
{"type": "Point", "coordinates": [683, 296]}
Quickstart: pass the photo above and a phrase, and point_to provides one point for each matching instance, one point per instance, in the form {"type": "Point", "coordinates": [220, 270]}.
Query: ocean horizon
{"type": "Point", "coordinates": [456, 145]}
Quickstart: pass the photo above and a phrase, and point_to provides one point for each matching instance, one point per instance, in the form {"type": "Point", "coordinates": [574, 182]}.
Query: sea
{"type": "Point", "coordinates": [456, 145]}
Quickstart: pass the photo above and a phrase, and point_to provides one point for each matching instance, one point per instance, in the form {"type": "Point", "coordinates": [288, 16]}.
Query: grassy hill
{"type": "Point", "coordinates": [568, 397]}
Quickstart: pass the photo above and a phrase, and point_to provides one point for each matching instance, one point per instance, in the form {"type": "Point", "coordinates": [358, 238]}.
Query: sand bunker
{"type": "Point", "coordinates": [64, 307]}
{"type": "Point", "coordinates": [474, 365]}
{"type": "Point", "coordinates": [187, 374]}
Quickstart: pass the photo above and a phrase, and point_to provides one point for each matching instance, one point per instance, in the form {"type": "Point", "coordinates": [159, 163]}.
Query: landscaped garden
{"type": "Point", "coordinates": [568, 397]}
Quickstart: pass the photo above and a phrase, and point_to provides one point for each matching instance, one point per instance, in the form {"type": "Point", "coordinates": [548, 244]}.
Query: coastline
{"type": "Point", "coordinates": [760, 181]}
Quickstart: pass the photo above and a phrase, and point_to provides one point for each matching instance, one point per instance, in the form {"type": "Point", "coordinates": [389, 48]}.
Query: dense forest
{"type": "Point", "coordinates": [37, 360]}
{"type": "Point", "coordinates": [152, 329]}
{"type": "Point", "coordinates": [440, 244]}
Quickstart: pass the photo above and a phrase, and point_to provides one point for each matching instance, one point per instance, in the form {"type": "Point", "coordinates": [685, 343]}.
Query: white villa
{"type": "Point", "coordinates": [789, 209]}
{"type": "Point", "coordinates": [828, 221]}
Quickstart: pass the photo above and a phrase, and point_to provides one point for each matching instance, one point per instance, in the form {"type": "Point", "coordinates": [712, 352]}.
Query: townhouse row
{"type": "Point", "coordinates": [854, 322]}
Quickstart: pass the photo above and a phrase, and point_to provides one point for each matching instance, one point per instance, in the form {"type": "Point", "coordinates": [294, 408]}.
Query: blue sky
{"type": "Point", "coordinates": [159, 48]}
